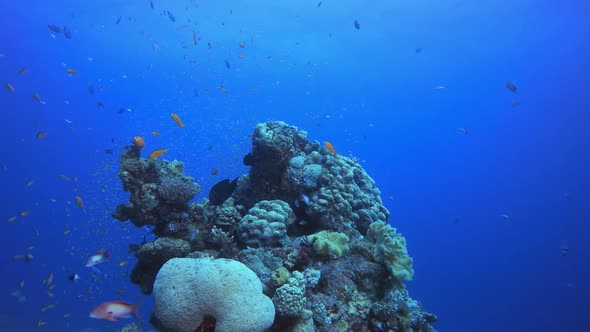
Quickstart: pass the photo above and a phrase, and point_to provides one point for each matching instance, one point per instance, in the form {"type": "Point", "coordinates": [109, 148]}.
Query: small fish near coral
{"type": "Point", "coordinates": [113, 310]}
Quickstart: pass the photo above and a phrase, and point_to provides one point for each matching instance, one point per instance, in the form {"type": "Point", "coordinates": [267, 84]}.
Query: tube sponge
{"type": "Point", "coordinates": [187, 290]}
{"type": "Point", "coordinates": [389, 248]}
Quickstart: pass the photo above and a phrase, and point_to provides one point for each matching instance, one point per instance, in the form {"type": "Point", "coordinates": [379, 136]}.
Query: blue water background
{"type": "Point", "coordinates": [486, 212]}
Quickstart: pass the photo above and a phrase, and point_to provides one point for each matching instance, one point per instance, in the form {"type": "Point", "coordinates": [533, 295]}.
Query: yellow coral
{"type": "Point", "coordinates": [390, 249]}
{"type": "Point", "coordinates": [331, 244]}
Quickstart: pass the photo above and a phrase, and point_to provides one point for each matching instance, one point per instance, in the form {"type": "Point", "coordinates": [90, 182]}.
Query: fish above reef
{"type": "Point", "coordinates": [113, 310]}
{"type": "Point", "coordinates": [73, 277]}
{"type": "Point", "coordinates": [330, 147]}
{"type": "Point", "coordinates": [97, 259]}
{"type": "Point", "coordinates": [510, 86]}
{"type": "Point", "coordinates": [177, 120]}
{"type": "Point", "coordinates": [157, 153]}
{"type": "Point", "coordinates": [249, 159]}
{"type": "Point", "coordinates": [221, 191]}
{"type": "Point", "coordinates": [54, 28]}
{"type": "Point", "coordinates": [564, 250]}
{"type": "Point", "coordinates": [67, 33]}
{"type": "Point", "coordinates": [171, 17]}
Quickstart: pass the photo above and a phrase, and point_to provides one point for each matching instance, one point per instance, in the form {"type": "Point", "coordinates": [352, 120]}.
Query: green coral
{"type": "Point", "coordinates": [328, 243]}
{"type": "Point", "coordinates": [389, 248]}
{"type": "Point", "coordinates": [280, 276]}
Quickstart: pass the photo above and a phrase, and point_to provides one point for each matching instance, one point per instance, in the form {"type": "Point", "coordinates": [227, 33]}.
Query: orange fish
{"type": "Point", "coordinates": [36, 97]}
{"type": "Point", "coordinates": [155, 133]}
{"type": "Point", "coordinates": [330, 147]}
{"type": "Point", "coordinates": [177, 120]}
{"type": "Point", "coordinates": [138, 140]}
{"type": "Point", "coordinates": [40, 134]}
{"type": "Point", "coordinates": [41, 323]}
{"type": "Point", "coordinates": [9, 87]}
{"type": "Point", "coordinates": [113, 310]}
{"type": "Point", "coordinates": [79, 202]}
{"type": "Point", "coordinates": [24, 213]}
{"type": "Point", "coordinates": [29, 183]}
{"type": "Point", "coordinates": [11, 219]}
{"type": "Point", "coordinates": [157, 153]}
{"type": "Point", "coordinates": [253, 89]}
{"type": "Point", "coordinates": [22, 70]}
{"type": "Point", "coordinates": [242, 45]}
{"type": "Point", "coordinates": [241, 56]}
{"type": "Point", "coordinates": [72, 71]}
{"type": "Point", "coordinates": [511, 87]}
{"type": "Point", "coordinates": [224, 90]}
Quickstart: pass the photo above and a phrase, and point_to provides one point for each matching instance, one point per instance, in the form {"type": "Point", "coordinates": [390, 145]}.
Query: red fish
{"type": "Point", "coordinates": [113, 310]}
{"type": "Point", "coordinates": [330, 147]}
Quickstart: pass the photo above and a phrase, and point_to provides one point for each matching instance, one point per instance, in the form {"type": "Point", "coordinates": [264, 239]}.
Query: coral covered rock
{"type": "Point", "coordinates": [159, 191]}
{"type": "Point", "coordinates": [266, 223]}
{"type": "Point", "coordinates": [188, 291]}
{"type": "Point", "coordinates": [309, 225]}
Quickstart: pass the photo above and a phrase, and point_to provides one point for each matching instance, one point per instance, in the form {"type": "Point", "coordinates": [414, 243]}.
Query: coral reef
{"type": "Point", "coordinates": [308, 224]}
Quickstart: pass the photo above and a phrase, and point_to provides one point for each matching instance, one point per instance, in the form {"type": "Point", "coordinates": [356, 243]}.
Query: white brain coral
{"type": "Point", "coordinates": [187, 290]}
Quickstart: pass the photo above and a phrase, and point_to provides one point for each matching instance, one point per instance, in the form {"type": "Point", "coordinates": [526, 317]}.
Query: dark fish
{"type": "Point", "coordinates": [511, 87]}
{"type": "Point", "coordinates": [227, 65]}
{"type": "Point", "coordinates": [54, 28]}
{"type": "Point", "coordinates": [357, 25]}
{"type": "Point", "coordinates": [152, 4]}
{"type": "Point", "coordinates": [419, 50]}
{"type": "Point", "coordinates": [221, 191]}
{"type": "Point", "coordinates": [73, 277]}
{"type": "Point", "coordinates": [109, 151]}
{"type": "Point", "coordinates": [118, 20]}
{"type": "Point", "coordinates": [133, 247]}
{"type": "Point", "coordinates": [121, 110]}
{"type": "Point", "coordinates": [91, 89]}
{"type": "Point", "coordinates": [319, 4]}
{"type": "Point", "coordinates": [564, 250]}
{"type": "Point", "coordinates": [171, 17]}
{"type": "Point", "coordinates": [515, 103]}
{"type": "Point", "coordinates": [99, 104]}
{"type": "Point", "coordinates": [67, 33]}
{"type": "Point", "coordinates": [209, 45]}
{"type": "Point", "coordinates": [248, 159]}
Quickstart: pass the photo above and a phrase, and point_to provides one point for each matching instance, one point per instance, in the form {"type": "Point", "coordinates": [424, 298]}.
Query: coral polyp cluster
{"type": "Point", "coordinates": [308, 223]}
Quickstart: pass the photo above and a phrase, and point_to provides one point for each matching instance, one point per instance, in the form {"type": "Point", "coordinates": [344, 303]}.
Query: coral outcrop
{"type": "Point", "coordinates": [307, 222]}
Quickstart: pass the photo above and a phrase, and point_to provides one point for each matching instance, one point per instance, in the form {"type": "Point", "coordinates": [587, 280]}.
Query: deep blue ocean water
{"type": "Point", "coordinates": [492, 196]}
